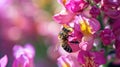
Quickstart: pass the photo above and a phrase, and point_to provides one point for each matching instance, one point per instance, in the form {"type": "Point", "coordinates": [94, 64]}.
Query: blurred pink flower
{"type": "Point", "coordinates": [53, 52]}
{"type": "Point", "coordinates": [4, 4]}
{"type": "Point", "coordinates": [3, 61]}
{"type": "Point", "coordinates": [91, 59]}
{"type": "Point", "coordinates": [23, 56]}
{"type": "Point", "coordinates": [51, 30]}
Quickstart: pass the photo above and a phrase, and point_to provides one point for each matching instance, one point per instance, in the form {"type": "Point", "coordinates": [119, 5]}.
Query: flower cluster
{"type": "Point", "coordinates": [90, 30]}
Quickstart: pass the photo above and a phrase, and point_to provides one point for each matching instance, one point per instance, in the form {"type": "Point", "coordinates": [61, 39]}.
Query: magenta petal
{"type": "Point", "coordinates": [3, 61]}
{"type": "Point", "coordinates": [18, 50]}
{"type": "Point", "coordinates": [99, 56]}
{"type": "Point", "coordinates": [94, 24]}
{"type": "Point", "coordinates": [64, 18]}
{"type": "Point", "coordinates": [81, 56]}
{"type": "Point", "coordinates": [22, 61]}
{"type": "Point", "coordinates": [77, 33]}
{"type": "Point", "coordinates": [86, 43]}
{"type": "Point", "coordinates": [76, 6]}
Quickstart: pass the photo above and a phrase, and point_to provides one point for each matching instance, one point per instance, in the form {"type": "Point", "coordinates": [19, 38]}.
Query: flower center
{"type": "Point", "coordinates": [85, 28]}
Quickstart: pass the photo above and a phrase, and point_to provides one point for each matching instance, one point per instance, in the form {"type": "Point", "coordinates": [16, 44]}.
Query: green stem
{"type": "Point", "coordinates": [100, 18]}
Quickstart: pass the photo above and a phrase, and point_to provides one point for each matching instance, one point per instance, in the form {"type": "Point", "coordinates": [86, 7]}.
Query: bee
{"type": "Point", "coordinates": [63, 37]}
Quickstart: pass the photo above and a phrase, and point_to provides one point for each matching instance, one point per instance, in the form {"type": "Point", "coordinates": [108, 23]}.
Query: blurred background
{"type": "Point", "coordinates": [29, 21]}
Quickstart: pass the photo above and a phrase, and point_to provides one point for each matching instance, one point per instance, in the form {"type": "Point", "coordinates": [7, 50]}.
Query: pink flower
{"type": "Point", "coordinates": [88, 26]}
{"type": "Point", "coordinates": [23, 56]}
{"type": "Point", "coordinates": [91, 59]}
{"type": "Point", "coordinates": [76, 6]}
{"type": "Point", "coordinates": [3, 61]}
{"type": "Point", "coordinates": [107, 36]}
{"type": "Point", "coordinates": [84, 29]}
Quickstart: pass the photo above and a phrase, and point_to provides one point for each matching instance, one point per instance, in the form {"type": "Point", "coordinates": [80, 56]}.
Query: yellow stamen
{"type": "Point", "coordinates": [85, 28]}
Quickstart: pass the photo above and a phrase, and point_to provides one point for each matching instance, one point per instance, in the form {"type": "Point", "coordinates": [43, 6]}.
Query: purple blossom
{"type": "Point", "coordinates": [95, 11]}
{"type": "Point", "coordinates": [107, 36]}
